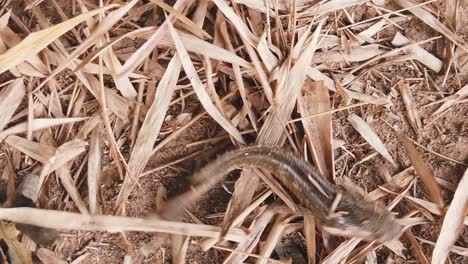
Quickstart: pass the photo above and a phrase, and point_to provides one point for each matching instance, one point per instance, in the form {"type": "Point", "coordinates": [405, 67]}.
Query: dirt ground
{"type": "Point", "coordinates": [447, 135]}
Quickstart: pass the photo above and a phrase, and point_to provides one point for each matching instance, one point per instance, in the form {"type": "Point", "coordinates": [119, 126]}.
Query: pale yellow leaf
{"type": "Point", "coordinates": [10, 98]}
{"type": "Point", "coordinates": [19, 252]}
{"type": "Point", "coordinates": [453, 222]}
{"type": "Point", "coordinates": [37, 41]}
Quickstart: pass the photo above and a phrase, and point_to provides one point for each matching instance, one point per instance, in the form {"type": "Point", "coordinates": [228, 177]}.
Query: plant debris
{"type": "Point", "coordinates": [111, 105]}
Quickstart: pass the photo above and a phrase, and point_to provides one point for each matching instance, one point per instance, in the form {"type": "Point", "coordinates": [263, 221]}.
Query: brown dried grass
{"type": "Point", "coordinates": [302, 55]}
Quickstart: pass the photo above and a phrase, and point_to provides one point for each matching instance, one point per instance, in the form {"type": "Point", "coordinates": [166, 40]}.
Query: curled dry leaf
{"type": "Point", "coordinates": [370, 136]}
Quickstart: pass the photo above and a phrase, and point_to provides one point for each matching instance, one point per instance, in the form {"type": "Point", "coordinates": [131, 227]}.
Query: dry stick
{"type": "Point", "coordinates": [238, 77]}
{"type": "Point", "coordinates": [172, 163]}
{"type": "Point", "coordinates": [108, 223]}
{"type": "Point", "coordinates": [217, 138]}
{"type": "Point", "coordinates": [438, 154]}
{"type": "Point", "coordinates": [189, 124]}
{"type": "Point", "coordinates": [210, 242]}
{"type": "Point", "coordinates": [104, 110]}
{"type": "Point", "coordinates": [133, 130]}
{"type": "Point", "coordinates": [387, 14]}
{"type": "Point", "coordinates": [330, 112]}
{"type": "Point", "coordinates": [431, 151]}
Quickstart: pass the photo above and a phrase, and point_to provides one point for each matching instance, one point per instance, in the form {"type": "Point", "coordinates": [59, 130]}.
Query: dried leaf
{"type": "Point", "coordinates": [272, 131]}
{"type": "Point", "coordinates": [451, 100]}
{"type": "Point", "coordinates": [179, 247]}
{"type": "Point", "coordinates": [10, 98]}
{"type": "Point", "coordinates": [255, 231]}
{"type": "Point", "coordinates": [413, 115]}
{"type": "Point", "coordinates": [433, 22]}
{"type": "Point", "coordinates": [274, 236]}
{"type": "Point", "coordinates": [37, 151]}
{"type": "Point", "coordinates": [416, 247]}
{"type": "Point", "coordinates": [357, 54]}
{"type": "Point", "coordinates": [426, 58]}
{"type": "Point", "coordinates": [94, 171]}
{"type": "Point", "coordinates": [342, 251]}
{"type": "Point", "coordinates": [150, 128]}
{"type": "Point", "coordinates": [100, 30]}
{"type": "Point", "coordinates": [240, 26]}
{"type": "Point", "coordinates": [68, 182]}
{"type": "Point", "coordinates": [309, 231]}
{"type": "Point", "coordinates": [370, 136]}
{"type": "Point", "coordinates": [423, 171]}
{"type": "Point", "coordinates": [189, 24]}
{"type": "Point", "coordinates": [76, 221]}
{"type": "Point", "coordinates": [319, 129]}
{"type": "Point", "coordinates": [37, 41]}
{"type": "Point", "coordinates": [49, 257]}
{"type": "Point", "coordinates": [199, 88]}
{"type": "Point", "coordinates": [453, 222]}
{"type": "Point", "coordinates": [63, 154]}
{"type": "Point", "coordinates": [18, 251]}
{"type": "Point", "coordinates": [38, 124]}
{"type": "Point", "coordinates": [146, 49]}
